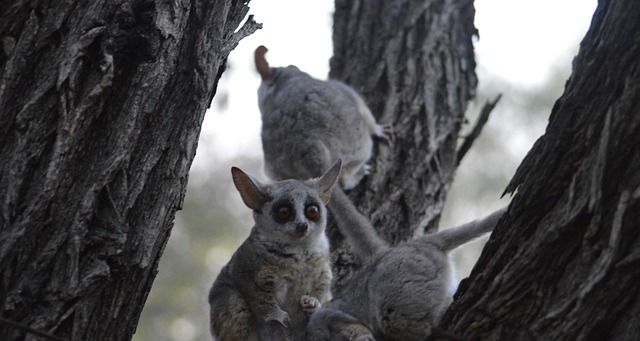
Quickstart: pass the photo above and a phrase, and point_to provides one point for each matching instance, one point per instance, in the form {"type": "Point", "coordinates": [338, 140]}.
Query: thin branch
{"type": "Point", "coordinates": [482, 120]}
{"type": "Point", "coordinates": [248, 28]}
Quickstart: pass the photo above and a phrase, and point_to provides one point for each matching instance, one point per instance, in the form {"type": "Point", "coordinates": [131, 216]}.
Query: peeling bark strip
{"type": "Point", "coordinates": [101, 105]}
{"type": "Point", "coordinates": [564, 264]}
{"type": "Point", "coordinates": [413, 62]}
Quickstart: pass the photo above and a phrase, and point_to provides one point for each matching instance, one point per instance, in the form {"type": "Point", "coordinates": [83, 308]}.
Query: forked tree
{"type": "Point", "coordinates": [101, 105]}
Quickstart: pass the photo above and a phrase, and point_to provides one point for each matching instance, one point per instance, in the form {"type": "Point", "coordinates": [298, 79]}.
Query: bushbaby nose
{"type": "Point", "coordinates": [302, 228]}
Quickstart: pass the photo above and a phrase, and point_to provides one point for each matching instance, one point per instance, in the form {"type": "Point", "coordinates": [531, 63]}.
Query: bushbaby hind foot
{"type": "Point", "coordinates": [367, 169]}
{"type": "Point", "coordinates": [385, 133]}
{"type": "Point", "coordinates": [276, 331]}
{"type": "Point", "coordinates": [279, 316]}
{"type": "Point", "coordinates": [357, 332]}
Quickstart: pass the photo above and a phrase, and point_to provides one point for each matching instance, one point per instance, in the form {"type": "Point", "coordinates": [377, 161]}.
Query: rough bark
{"type": "Point", "coordinates": [413, 62]}
{"type": "Point", "coordinates": [564, 263]}
{"type": "Point", "coordinates": [101, 104]}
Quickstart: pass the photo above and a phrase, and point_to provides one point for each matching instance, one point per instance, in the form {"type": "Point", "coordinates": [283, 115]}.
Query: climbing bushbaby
{"type": "Point", "coordinates": [308, 123]}
{"type": "Point", "coordinates": [401, 291]}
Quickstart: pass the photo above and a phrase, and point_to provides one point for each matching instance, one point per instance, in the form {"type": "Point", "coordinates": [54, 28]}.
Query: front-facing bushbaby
{"type": "Point", "coordinates": [282, 271]}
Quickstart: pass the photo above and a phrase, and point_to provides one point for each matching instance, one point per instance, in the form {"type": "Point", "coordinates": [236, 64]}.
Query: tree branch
{"type": "Point", "coordinates": [482, 120]}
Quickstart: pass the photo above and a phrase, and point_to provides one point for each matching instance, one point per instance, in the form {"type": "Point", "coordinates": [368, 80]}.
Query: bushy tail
{"type": "Point", "coordinates": [356, 228]}
{"type": "Point", "coordinates": [451, 238]}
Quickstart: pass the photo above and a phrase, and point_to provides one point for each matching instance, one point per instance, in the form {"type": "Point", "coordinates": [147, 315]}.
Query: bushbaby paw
{"type": "Point", "coordinates": [279, 316]}
{"type": "Point", "coordinates": [309, 304]}
{"type": "Point", "coordinates": [358, 332]}
{"type": "Point", "coordinates": [367, 169]}
{"type": "Point", "coordinates": [385, 133]}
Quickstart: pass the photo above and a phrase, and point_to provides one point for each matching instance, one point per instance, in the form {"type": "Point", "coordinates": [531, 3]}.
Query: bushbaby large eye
{"type": "Point", "coordinates": [312, 212]}
{"type": "Point", "coordinates": [283, 213]}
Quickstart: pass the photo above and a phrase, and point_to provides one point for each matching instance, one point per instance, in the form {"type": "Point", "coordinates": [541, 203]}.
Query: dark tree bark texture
{"type": "Point", "coordinates": [101, 104]}
{"type": "Point", "coordinates": [564, 264]}
{"type": "Point", "coordinates": [413, 62]}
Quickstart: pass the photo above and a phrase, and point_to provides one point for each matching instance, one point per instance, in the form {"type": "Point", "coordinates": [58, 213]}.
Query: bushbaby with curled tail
{"type": "Point", "coordinates": [308, 123]}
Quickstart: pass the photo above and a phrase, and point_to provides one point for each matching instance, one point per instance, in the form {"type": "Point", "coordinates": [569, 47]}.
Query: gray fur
{"type": "Point", "coordinates": [282, 270]}
{"type": "Point", "coordinates": [363, 239]}
{"type": "Point", "coordinates": [401, 292]}
{"type": "Point", "coordinates": [308, 123]}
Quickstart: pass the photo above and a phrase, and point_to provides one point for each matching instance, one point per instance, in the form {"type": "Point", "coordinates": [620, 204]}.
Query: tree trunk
{"type": "Point", "coordinates": [413, 62]}
{"type": "Point", "coordinates": [564, 263]}
{"type": "Point", "coordinates": [101, 104]}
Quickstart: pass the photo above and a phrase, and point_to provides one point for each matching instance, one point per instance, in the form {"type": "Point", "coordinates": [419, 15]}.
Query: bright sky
{"type": "Point", "coordinates": [519, 42]}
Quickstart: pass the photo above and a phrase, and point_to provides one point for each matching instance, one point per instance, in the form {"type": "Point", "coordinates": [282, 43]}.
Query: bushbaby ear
{"type": "Point", "coordinates": [261, 64]}
{"type": "Point", "coordinates": [326, 182]}
{"type": "Point", "coordinates": [250, 189]}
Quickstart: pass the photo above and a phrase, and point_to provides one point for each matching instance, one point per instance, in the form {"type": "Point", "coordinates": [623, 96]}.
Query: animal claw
{"type": "Point", "coordinates": [385, 133]}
